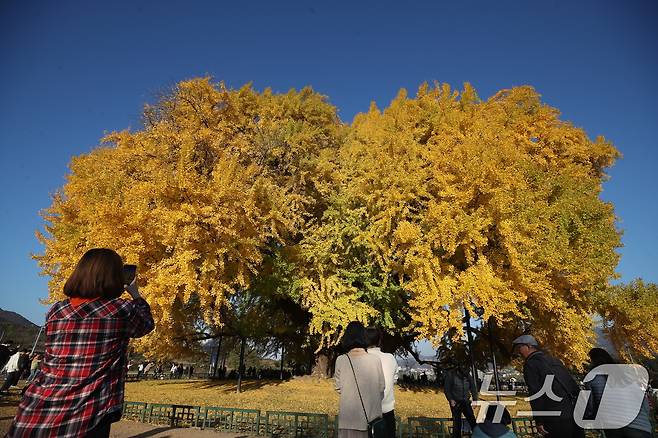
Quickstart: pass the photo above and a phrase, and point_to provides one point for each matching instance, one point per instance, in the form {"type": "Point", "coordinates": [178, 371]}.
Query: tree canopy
{"type": "Point", "coordinates": [444, 201]}
{"type": "Point", "coordinates": [630, 318]}
{"type": "Point", "coordinates": [214, 180]}
{"type": "Point", "coordinates": [441, 202]}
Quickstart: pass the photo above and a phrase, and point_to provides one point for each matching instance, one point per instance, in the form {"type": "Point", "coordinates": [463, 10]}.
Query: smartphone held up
{"type": "Point", "coordinates": [129, 272]}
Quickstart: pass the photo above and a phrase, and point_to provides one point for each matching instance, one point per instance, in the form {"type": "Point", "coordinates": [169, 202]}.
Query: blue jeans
{"type": "Point", "coordinates": [33, 374]}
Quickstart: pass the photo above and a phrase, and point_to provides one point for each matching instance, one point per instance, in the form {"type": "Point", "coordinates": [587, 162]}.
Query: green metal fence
{"type": "Point", "coordinates": [186, 416]}
{"type": "Point", "coordinates": [173, 415]}
{"type": "Point", "coordinates": [296, 425]}
{"type": "Point", "coordinates": [231, 419]}
{"type": "Point", "coordinates": [281, 424]}
{"type": "Point", "coordinates": [524, 427]}
{"type": "Point", "coordinates": [426, 427]}
{"type": "Point", "coordinates": [135, 411]}
{"type": "Point", "coordinates": [159, 414]}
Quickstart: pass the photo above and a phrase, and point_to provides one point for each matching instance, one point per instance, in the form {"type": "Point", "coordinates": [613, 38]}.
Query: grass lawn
{"type": "Point", "coordinates": [305, 394]}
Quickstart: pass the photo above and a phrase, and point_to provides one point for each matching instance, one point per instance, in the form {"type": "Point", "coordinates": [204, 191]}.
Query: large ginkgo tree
{"type": "Point", "coordinates": [440, 203]}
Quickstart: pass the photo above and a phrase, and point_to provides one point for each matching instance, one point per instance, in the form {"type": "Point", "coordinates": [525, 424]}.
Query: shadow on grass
{"type": "Point", "coordinates": [226, 386]}
{"type": "Point", "coordinates": [420, 389]}
{"type": "Point", "coordinates": [152, 432]}
{"type": "Point", "coordinates": [247, 385]}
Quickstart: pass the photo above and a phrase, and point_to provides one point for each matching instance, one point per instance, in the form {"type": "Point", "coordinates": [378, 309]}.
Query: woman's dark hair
{"type": "Point", "coordinates": [374, 337]}
{"type": "Point", "coordinates": [98, 274]}
{"type": "Point", "coordinates": [354, 336]}
{"type": "Point", "coordinates": [599, 356]}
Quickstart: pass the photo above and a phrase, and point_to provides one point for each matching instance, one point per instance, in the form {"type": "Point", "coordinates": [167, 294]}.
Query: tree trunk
{"type": "Point", "coordinates": [216, 362]}
{"type": "Point", "coordinates": [321, 365]}
{"type": "Point", "coordinates": [241, 366]}
{"type": "Point", "coordinates": [283, 350]}
{"type": "Point", "coordinates": [469, 337]}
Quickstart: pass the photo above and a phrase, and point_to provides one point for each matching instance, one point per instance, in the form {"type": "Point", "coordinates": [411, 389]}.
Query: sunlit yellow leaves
{"type": "Point", "coordinates": [490, 205]}
{"type": "Point", "coordinates": [630, 317]}
{"type": "Point", "coordinates": [440, 202]}
{"type": "Point", "coordinates": [214, 178]}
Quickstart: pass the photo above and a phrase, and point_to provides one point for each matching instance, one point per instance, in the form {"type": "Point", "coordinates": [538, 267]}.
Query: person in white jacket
{"type": "Point", "coordinates": [13, 370]}
{"type": "Point", "coordinates": [390, 369]}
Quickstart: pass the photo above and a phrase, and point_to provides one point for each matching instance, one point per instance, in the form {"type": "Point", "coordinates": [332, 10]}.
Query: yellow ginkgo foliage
{"type": "Point", "coordinates": [214, 177]}
{"type": "Point", "coordinates": [629, 316]}
{"type": "Point", "coordinates": [445, 201]}
{"type": "Point", "coordinates": [438, 203]}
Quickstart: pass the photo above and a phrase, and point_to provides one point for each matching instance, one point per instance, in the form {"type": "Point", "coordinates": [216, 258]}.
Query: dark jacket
{"type": "Point", "coordinates": [24, 361]}
{"type": "Point", "coordinates": [5, 354]}
{"type": "Point", "coordinates": [537, 367]}
{"type": "Point", "coordinates": [459, 386]}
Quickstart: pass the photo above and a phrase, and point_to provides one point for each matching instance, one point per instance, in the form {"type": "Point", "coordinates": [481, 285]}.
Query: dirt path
{"type": "Point", "coordinates": [125, 429]}
{"type": "Point", "coordinates": [122, 429]}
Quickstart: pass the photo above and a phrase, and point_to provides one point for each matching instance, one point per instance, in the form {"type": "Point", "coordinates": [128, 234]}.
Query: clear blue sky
{"type": "Point", "coordinates": [71, 71]}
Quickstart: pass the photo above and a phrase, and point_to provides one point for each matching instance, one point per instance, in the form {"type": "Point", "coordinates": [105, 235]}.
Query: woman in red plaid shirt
{"type": "Point", "coordinates": [78, 391]}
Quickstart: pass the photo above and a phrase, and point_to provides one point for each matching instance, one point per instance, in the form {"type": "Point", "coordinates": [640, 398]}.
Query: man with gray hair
{"type": "Point", "coordinates": [552, 390]}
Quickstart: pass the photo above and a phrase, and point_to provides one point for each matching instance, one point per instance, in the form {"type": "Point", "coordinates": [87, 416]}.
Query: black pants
{"type": "Point", "coordinates": [389, 419]}
{"type": "Point", "coordinates": [11, 379]}
{"type": "Point", "coordinates": [461, 407]}
{"type": "Point", "coordinates": [102, 429]}
{"type": "Point", "coordinates": [563, 428]}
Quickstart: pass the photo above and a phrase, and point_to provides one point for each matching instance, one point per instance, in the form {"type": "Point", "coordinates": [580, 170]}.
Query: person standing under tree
{"type": "Point", "coordinates": [360, 382]}
{"type": "Point", "coordinates": [641, 426]}
{"type": "Point", "coordinates": [539, 370]}
{"type": "Point", "coordinates": [24, 364]}
{"type": "Point", "coordinates": [459, 386]}
{"type": "Point", "coordinates": [390, 369]}
{"type": "Point", "coordinates": [34, 367]}
{"type": "Point", "coordinates": [14, 371]}
{"type": "Point", "coordinates": [79, 391]}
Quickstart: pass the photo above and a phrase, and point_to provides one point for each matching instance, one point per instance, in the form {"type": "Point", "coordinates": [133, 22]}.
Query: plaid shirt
{"type": "Point", "coordinates": [83, 372]}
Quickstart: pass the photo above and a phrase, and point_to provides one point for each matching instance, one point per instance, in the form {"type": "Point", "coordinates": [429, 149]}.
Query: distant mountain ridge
{"type": "Point", "coordinates": [18, 329]}
{"type": "Point", "coordinates": [15, 318]}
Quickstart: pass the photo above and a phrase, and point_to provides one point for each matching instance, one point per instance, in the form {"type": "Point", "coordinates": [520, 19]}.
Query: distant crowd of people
{"type": "Point", "coordinates": [158, 371]}
{"type": "Point", "coordinates": [18, 364]}
{"type": "Point", "coordinates": [176, 370]}
{"type": "Point", "coordinates": [76, 388]}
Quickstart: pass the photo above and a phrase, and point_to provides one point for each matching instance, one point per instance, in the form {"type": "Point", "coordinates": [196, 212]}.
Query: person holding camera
{"type": "Point", "coordinates": [79, 391]}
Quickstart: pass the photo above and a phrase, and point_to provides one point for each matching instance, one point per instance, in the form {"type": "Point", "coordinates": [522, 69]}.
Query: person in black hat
{"type": "Point", "coordinates": [559, 398]}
